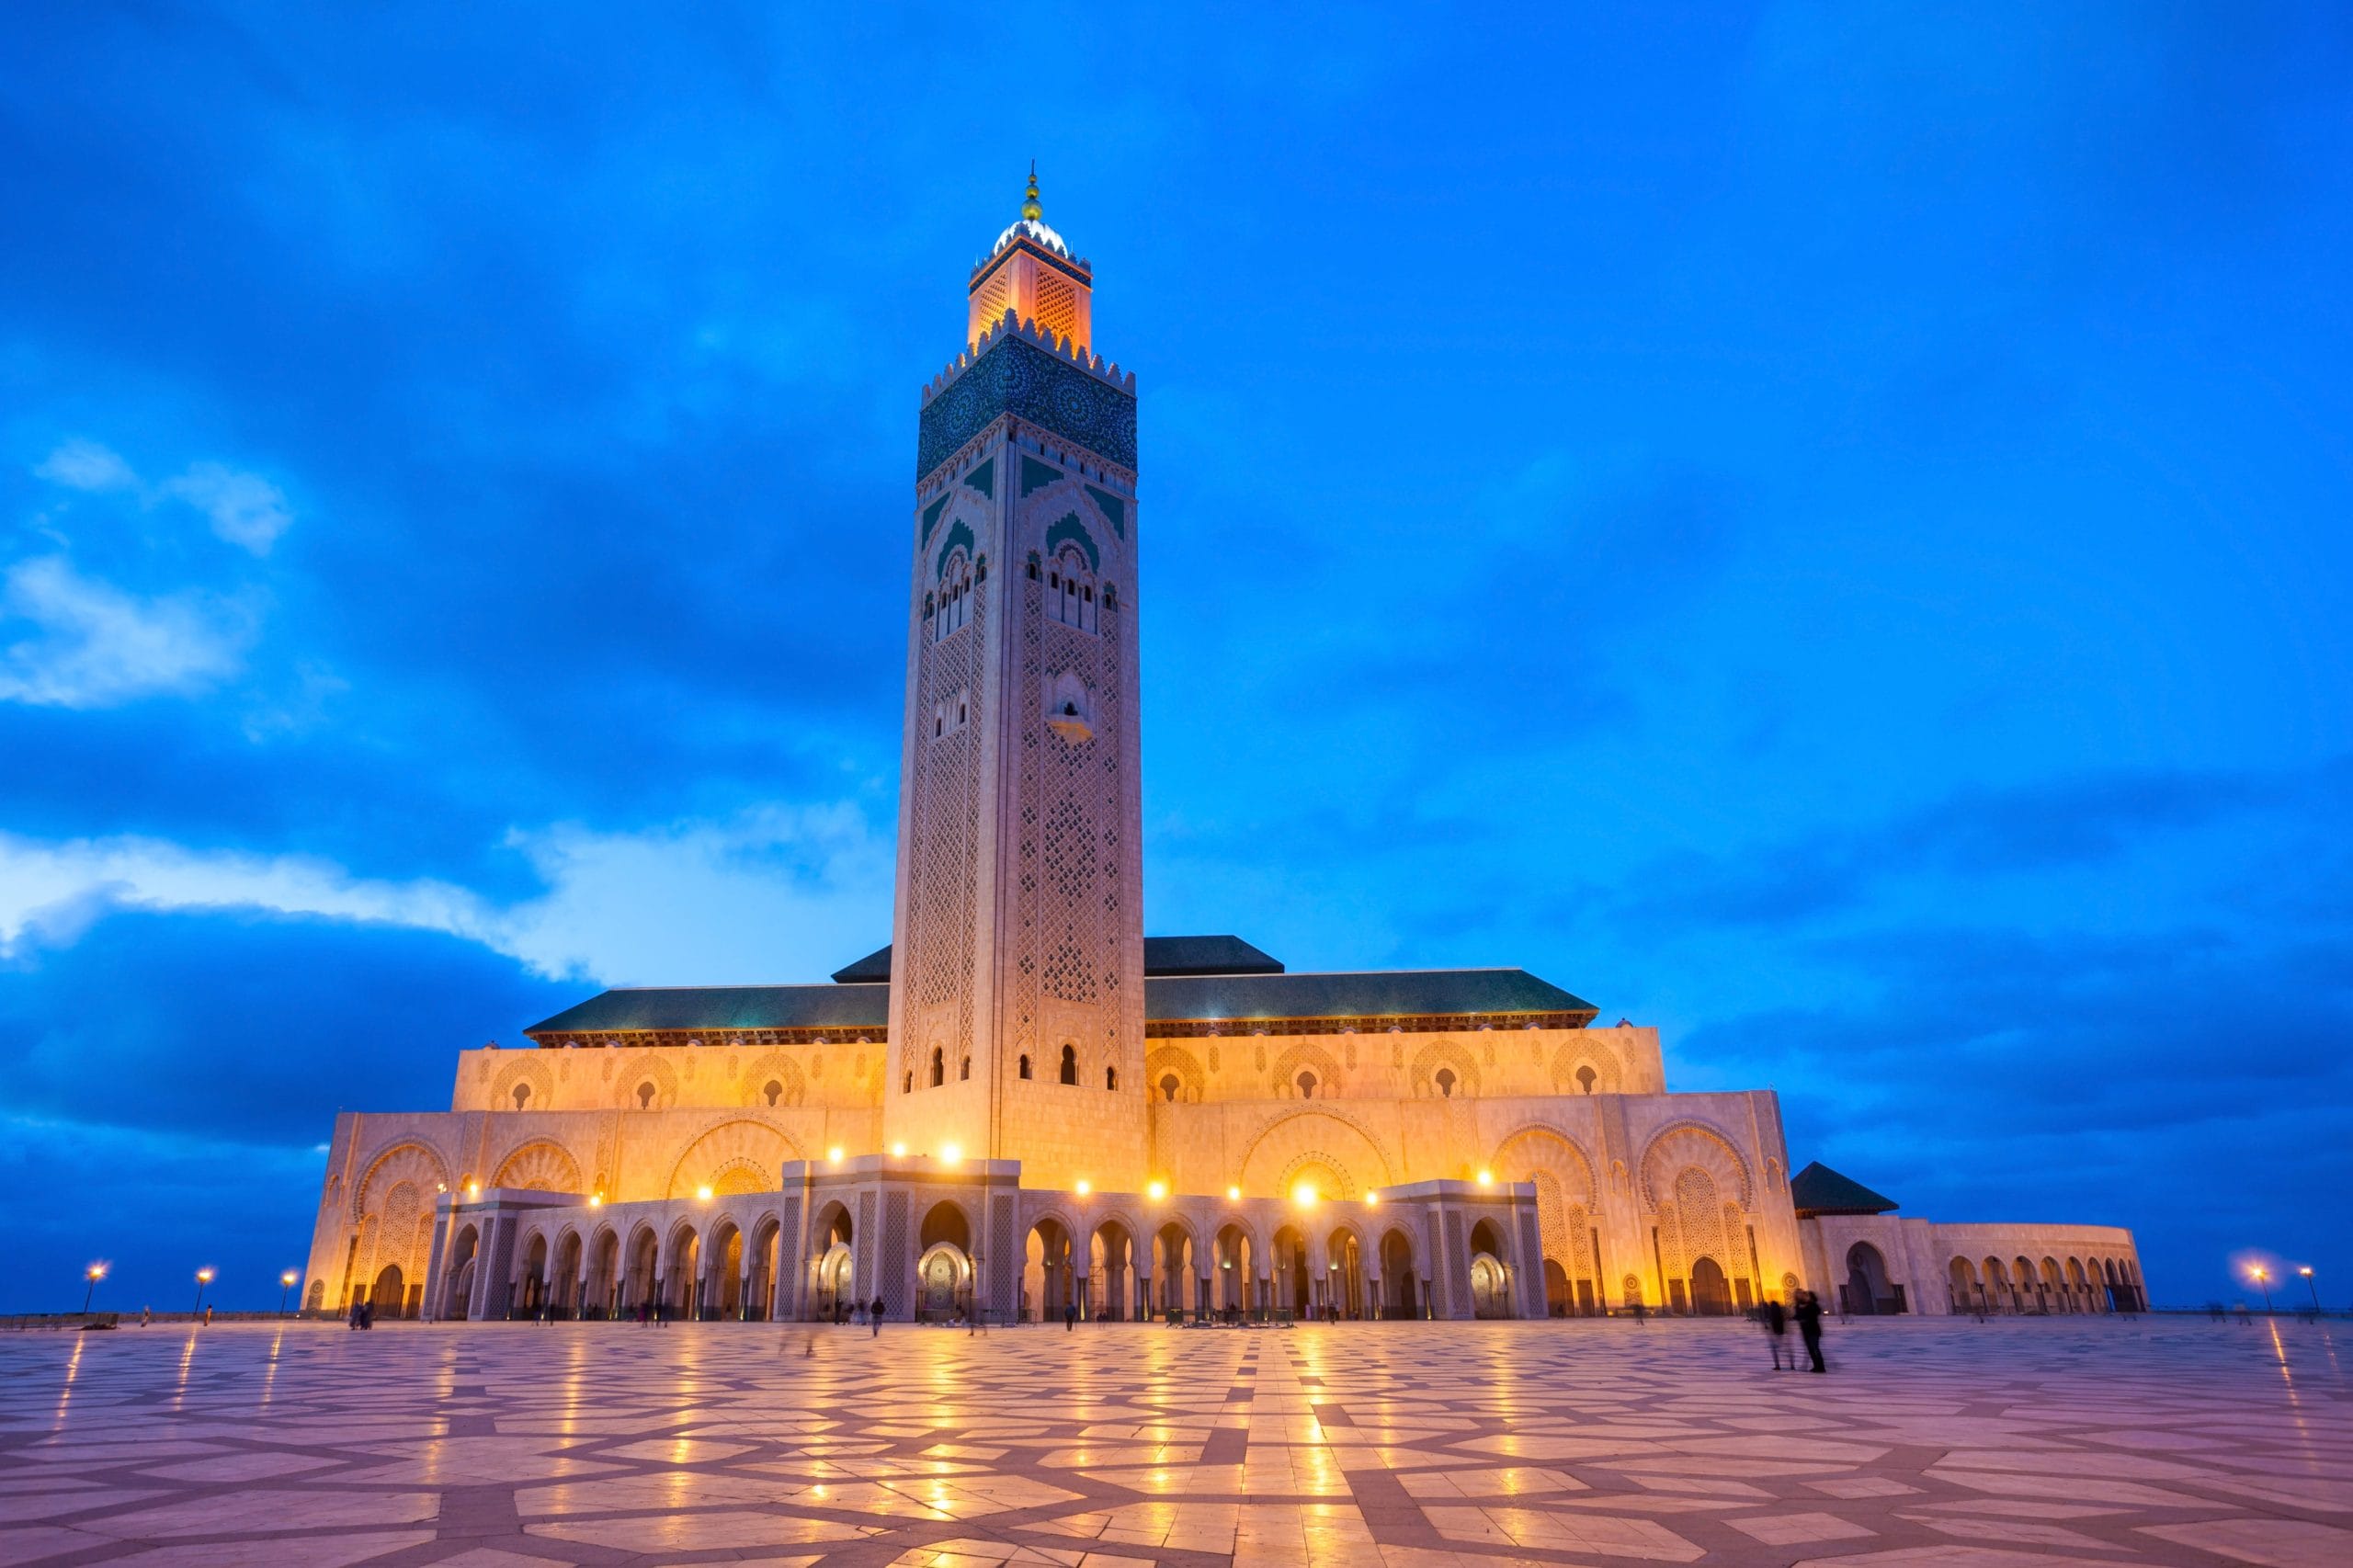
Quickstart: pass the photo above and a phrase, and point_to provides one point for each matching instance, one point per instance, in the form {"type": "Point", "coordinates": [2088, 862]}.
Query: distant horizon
{"type": "Point", "coordinates": [1826, 539]}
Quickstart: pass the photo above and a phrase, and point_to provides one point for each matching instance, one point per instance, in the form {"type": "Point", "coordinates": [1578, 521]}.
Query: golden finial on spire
{"type": "Point", "coordinates": [1029, 208]}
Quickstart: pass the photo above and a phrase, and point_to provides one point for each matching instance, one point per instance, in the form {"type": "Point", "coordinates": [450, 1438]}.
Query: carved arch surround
{"type": "Point", "coordinates": [747, 1146]}
{"type": "Point", "coordinates": [539, 1165]}
{"type": "Point", "coordinates": [1687, 1143]}
{"type": "Point", "coordinates": [777, 1067]}
{"type": "Point", "coordinates": [1441, 1054]}
{"type": "Point", "coordinates": [1578, 1167]}
{"type": "Point", "coordinates": [1352, 1150]}
{"type": "Point", "coordinates": [406, 1159]}
{"type": "Point", "coordinates": [542, 1082]}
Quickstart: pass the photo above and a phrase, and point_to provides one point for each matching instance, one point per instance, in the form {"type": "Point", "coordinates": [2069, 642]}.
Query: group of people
{"type": "Point", "coordinates": [362, 1315]}
{"type": "Point", "coordinates": [1775, 1318]}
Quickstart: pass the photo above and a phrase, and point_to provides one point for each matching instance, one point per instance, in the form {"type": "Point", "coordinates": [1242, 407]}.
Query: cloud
{"type": "Point", "coordinates": [246, 509]}
{"type": "Point", "coordinates": [775, 892]}
{"type": "Point", "coordinates": [86, 465]}
{"type": "Point", "coordinates": [94, 645]}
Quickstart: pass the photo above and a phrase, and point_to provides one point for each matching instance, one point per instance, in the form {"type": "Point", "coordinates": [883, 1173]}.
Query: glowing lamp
{"type": "Point", "coordinates": [595, 1201]}
{"type": "Point", "coordinates": [1373, 1198]}
{"type": "Point", "coordinates": [204, 1276]}
{"type": "Point", "coordinates": [951, 1153]}
{"type": "Point", "coordinates": [473, 1189]}
{"type": "Point", "coordinates": [835, 1153]}
{"type": "Point", "coordinates": [288, 1278]}
{"type": "Point", "coordinates": [98, 1271]}
{"type": "Point", "coordinates": [898, 1151]}
{"type": "Point", "coordinates": [1487, 1178]}
{"type": "Point", "coordinates": [1156, 1191]}
{"type": "Point", "coordinates": [1084, 1187]}
{"type": "Point", "coordinates": [703, 1193]}
{"type": "Point", "coordinates": [1303, 1195]}
{"type": "Point", "coordinates": [1233, 1194]}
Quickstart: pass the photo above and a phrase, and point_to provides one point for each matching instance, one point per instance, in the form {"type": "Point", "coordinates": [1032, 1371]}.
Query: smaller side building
{"type": "Point", "coordinates": [1877, 1263]}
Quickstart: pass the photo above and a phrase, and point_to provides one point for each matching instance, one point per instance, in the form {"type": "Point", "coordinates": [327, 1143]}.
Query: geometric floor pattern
{"type": "Point", "coordinates": [2016, 1444]}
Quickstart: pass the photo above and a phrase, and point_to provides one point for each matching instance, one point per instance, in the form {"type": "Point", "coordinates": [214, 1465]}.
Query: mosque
{"type": "Point", "coordinates": [1024, 1105]}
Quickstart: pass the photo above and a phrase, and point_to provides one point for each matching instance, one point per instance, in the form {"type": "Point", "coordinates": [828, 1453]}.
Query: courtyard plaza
{"type": "Point", "coordinates": [2011, 1444]}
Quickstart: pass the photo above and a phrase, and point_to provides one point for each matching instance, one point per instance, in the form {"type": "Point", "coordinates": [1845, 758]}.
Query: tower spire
{"type": "Point", "coordinates": [1029, 208]}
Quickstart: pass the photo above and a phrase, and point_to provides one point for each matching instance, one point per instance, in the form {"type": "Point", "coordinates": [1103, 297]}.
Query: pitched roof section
{"type": "Point", "coordinates": [874, 967]}
{"type": "Point", "coordinates": [1818, 1189]}
{"type": "Point", "coordinates": [1368, 993]}
{"type": "Point", "coordinates": [1162, 955]}
{"type": "Point", "coordinates": [1205, 955]}
{"type": "Point", "coordinates": [717, 1008]}
{"type": "Point", "coordinates": [1212, 999]}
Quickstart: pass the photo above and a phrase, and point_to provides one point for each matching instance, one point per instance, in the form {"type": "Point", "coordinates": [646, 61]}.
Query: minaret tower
{"type": "Point", "coordinates": [1017, 997]}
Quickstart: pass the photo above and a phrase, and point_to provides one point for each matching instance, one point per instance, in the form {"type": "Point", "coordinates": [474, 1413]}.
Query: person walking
{"type": "Point", "coordinates": [874, 1316]}
{"type": "Point", "coordinates": [1808, 1316]}
{"type": "Point", "coordinates": [1069, 1316]}
{"type": "Point", "coordinates": [1776, 1328]}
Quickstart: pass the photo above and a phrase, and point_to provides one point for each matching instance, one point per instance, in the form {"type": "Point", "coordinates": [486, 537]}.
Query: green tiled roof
{"type": "Point", "coordinates": [1367, 994]}
{"type": "Point", "coordinates": [717, 1008]}
{"type": "Point", "coordinates": [1818, 1189]}
{"type": "Point", "coordinates": [1214, 998]}
{"type": "Point", "coordinates": [1162, 955]}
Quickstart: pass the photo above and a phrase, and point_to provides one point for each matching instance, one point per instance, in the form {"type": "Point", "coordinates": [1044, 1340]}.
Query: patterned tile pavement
{"type": "Point", "coordinates": [2016, 1444]}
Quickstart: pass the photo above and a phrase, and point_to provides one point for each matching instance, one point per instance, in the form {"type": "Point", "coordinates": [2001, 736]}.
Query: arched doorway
{"type": "Point", "coordinates": [1173, 1244]}
{"type": "Point", "coordinates": [1287, 1251]}
{"type": "Point", "coordinates": [944, 1269]}
{"type": "Point", "coordinates": [1960, 1279]}
{"type": "Point", "coordinates": [603, 1295]}
{"type": "Point", "coordinates": [462, 1274]}
{"type": "Point", "coordinates": [726, 1286]}
{"type": "Point", "coordinates": [534, 1291]}
{"type": "Point", "coordinates": [1710, 1293]}
{"type": "Point", "coordinates": [761, 1304]}
{"type": "Point", "coordinates": [1399, 1298]}
{"type": "Point", "coordinates": [682, 1280]}
{"type": "Point", "coordinates": [1490, 1280]}
{"type": "Point", "coordinates": [1344, 1274]}
{"type": "Point", "coordinates": [387, 1292]}
{"type": "Point", "coordinates": [834, 1282]}
{"type": "Point", "coordinates": [644, 1268]}
{"type": "Point", "coordinates": [1113, 1251]}
{"type": "Point", "coordinates": [566, 1301]}
{"type": "Point", "coordinates": [1867, 1289]}
{"type": "Point", "coordinates": [1556, 1288]}
{"type": "Point", "coordinates": [1046, 1286]}
{"type": "Point", "coordinates": [1231, 1284]}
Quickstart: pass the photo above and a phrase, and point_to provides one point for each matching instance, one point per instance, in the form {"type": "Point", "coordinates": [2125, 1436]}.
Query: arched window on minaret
{"type": "Point", "coordinates": [1070, 588]}
{"type": "Point", "coordinates": [1069, 1064]}
{"type": "Point", "coordinates": [955, 597]}
{"type": "Point", "coordinates": [939, 1067]}
{"type": "Point", "coordinates": [1110, 1077]}
{"type": "Point", "coordinates": [1025, 1067]}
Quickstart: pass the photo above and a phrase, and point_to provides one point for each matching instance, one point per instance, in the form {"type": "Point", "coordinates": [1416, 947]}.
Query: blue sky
{"type": "Point", "coordinates": [1821, 529]}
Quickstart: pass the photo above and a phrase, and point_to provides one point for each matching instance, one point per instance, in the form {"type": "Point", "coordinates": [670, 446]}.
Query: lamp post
{"type": "Point", "coordinates": [97, 1271]}
{"type": "Point", "coordinates": [203, 1278]}
{"type": "Point", "coordinates": [2263, 1278]}
{"type": "Point", "coordinates": [285, 1289]}
{"type": "Point", "coordinates": [2307, 1272]}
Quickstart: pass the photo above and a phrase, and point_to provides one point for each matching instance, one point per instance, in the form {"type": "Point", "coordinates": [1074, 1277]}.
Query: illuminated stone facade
{"type": "Point", "coordinates": [1022, 1105]}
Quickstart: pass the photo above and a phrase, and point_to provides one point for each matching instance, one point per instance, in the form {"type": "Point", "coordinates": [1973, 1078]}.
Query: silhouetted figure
{"type": "Point", "coordinates": [367, 1314]}
{"type": "Point", "coordinates": [1642, 1313]}
{"type": "Point", "coordinates": [1808, 1316]}
{"type": "Point", "coordinates": [1069, 1316]}
{"type": "Point", "coordinates": [1777, 1329]}
{"type": "Point", "coordinates": [874, 1316]}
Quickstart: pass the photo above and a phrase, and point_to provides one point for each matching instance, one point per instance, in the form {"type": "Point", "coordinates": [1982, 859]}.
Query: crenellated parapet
{"type": "Point", "coordinates": [1019, 368]}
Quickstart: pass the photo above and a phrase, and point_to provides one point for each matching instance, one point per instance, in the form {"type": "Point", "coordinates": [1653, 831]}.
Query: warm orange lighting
{"type": "Point", "coordinates": [2306, 1271]}
{"type": "Point", "coordinates": [1233, 1194]}
{"type": "Point", "coordinates": [1487, 1178]}
{"type": "Point", "coordinates": [289, 1277]}
{"type": "Point", "coordinates": [473, 1189]}
{"type": "Point", "coordinates": [595, 1201]}
{"type": "Point", "coordinates": [1085, 1186]}
{"type": "Point", "coordinates": [2260, 1273]}
{"type": "Point", "coordinates": [703, 1193]}
{"type": "Point", "coordinates": [1303, 1195]}
{"type": "Point", "coordinates": [898, 1151]}
{"type": "Point", "coordinates": [204, 1276]}
{"type": "Point", "coordinates": [951, 1153]}
{"type": "Point", "coordinates": [98, 1271]}
{"type": "Point", "coordinates": [1373, 1198]}
{"type": "Point", "coordinates": [835, 1153]}
{"type": "Point", "coordinates": [1156, 1191]}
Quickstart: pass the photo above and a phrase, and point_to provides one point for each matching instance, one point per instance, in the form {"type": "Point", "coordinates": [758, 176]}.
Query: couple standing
{"type": "Point", "coordinates": [1807, 1310]}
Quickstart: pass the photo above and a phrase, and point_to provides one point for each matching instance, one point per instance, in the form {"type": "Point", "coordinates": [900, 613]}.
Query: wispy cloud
{"type": "Point", "coordinates": [78, 642]}
{"type": "Point", "coordinates": [778, 890]}
{"type": "Point", "coordinates": [243, 508]}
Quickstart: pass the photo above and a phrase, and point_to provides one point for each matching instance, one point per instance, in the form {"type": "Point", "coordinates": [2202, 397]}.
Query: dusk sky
{"type": "Point", "coordinates": [1829, 531]}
